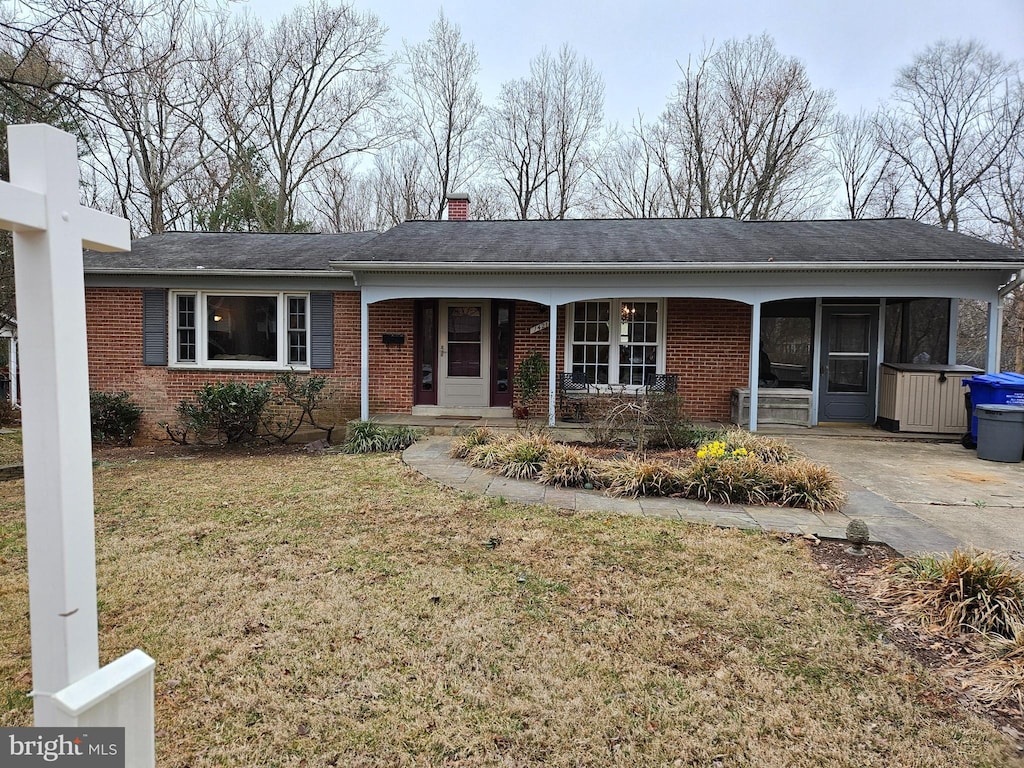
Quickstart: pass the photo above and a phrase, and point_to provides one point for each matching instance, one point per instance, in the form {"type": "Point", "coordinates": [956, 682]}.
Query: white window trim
{"type": "Point", "coordinates": [201, 361]}
{"type": "Point", "coordinates": [613, 352]}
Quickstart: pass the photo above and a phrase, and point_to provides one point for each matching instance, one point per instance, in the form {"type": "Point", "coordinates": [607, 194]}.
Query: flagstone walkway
{"type": "Point", "coordinates": [887, 521]}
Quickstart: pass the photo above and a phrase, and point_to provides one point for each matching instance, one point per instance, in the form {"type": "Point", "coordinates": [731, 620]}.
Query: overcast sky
{"type": "Point", "coordinates": [853, 47]}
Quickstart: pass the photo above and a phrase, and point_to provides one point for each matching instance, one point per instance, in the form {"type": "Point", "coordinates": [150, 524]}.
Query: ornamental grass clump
{"type": "Point", "coordinates": [463, 444]}
{"type": "Point", "coordinates": [488, 455]}
{"type": "Point", "coordinates": [523, 456]}
{"type": "Point", "coordinates": [770, 450]}
{"type": "Point", "coordinates": [639, 476]}
{"type": "Point", "coordinates": [970, 591]}
{"type": "Point", "coordinates": [567, 466]}
{"type": "Point", "coordinates": [741, 468]}
{"type": "Point", "coordinates": [727, 476]}
{"type": "Point", "coordinates": [803, 483]}
{"type": "Point", "coordinates": [373, 437]}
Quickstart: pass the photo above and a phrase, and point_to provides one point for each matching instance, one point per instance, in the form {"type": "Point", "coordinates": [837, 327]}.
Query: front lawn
{"type": "Point", "coordinates": [10, 446]}
{"type": "Point", "coordinates": [341, 610]}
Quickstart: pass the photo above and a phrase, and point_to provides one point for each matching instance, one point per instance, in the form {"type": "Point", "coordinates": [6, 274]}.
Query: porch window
{"type": "Point", "coordinates": [187, 328]}
{"type": "Point", "coordinates": [616, 341]}
{"type": "Point", "coordinates": [787, 338]}
{"type": "Point", "coordinates": [917, 331]}
{"type": "Point", "coordinates": [231, 330]}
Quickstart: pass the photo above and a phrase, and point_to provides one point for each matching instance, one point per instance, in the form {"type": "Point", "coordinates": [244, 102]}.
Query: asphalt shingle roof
{"type": "Point", "coordinates": [184, 251]}
{"type": "Point", "coordinates": [665, 241]}
{"type": "Point", "coordinates": [580, 242]}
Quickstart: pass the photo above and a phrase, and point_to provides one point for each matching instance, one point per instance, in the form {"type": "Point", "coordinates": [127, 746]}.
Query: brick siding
{"type": "Point", "coordinates": [707, 345]}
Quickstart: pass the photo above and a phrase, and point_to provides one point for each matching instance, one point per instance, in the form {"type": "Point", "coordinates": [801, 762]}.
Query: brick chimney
{"type": "Point", "coordinates": [458, 207]}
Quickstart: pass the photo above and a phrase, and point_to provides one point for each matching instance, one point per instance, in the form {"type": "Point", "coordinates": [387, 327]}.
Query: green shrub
{"type": "Point", "coordinates": [223, 412]}
{"type": "Point", "coordinates": [523, 456]}
{"type": "Point", "coordinates": [374, 437]}
{"type": "Point", "coordinates": [966, 590]}
{"type": "Point", "coordinates": [463, 444]}
{"type": "Point", "coordinates": [113, 416]}
{"type": "Point", "coordinates": [528, 381]}
{"type": "Point", "coordinates": [637, 476]}
{"type": "Point", "coordinates": [568, 467]}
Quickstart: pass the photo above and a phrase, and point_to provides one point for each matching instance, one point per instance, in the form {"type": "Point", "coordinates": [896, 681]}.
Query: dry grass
{"type": "Point", "coordinates": [340, 610]}
{"type": "Point", "coordinates": [10, 447]}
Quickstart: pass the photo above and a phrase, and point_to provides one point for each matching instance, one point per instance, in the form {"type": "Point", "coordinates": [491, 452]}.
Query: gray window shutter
{"type": "Point", "coordinates": [321, 326]}
{"type": "Point", "coordinates": [154, 327]}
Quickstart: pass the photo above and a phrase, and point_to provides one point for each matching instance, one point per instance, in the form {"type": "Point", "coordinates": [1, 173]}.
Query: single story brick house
{"type": "Point", "coordinates": [431, 317]}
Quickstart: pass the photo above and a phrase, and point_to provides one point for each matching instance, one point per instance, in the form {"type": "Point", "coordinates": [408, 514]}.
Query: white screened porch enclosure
{"type": "Point", "coordinates": [825, 329]}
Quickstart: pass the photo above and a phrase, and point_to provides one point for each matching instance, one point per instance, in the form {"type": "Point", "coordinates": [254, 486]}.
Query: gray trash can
{"type": "Point", "coordinates": [1000, 432]}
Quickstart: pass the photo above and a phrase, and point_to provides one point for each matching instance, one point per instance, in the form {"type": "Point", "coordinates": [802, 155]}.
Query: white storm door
{"type": "Point", "coordinates": [464, 359]}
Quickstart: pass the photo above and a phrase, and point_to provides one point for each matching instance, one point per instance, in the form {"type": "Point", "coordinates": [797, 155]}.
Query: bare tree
{"type": "Point", "coordinates": [401, 180]}
{"type": "Point", "coordinates": [543, 133]}
{"type": "Point", "coordinates": [344, 200]}
{"type": "Point", "coordinates": [516, 140]}
{"type": "Point", "coordinates": [445, 106]}
{"type": "Point", "coordinates": [316, 89]}
{"type": "Point", "coordinates": [743, 135]}
{"type": "Point", "coordinates": [145, 95]}
{"type": "Point", "coordinates": [34, 91]}
{"type": "Point", "coordinates": [862, 164]}
{"type": "Point", "coordinates": [955, 111]}
{"type": "Point", "coordinates": [626, 176]}
{"type": "Point", "coordinates": [1001, 197]}
{"type": "Point", "coordinates": [576, 100]}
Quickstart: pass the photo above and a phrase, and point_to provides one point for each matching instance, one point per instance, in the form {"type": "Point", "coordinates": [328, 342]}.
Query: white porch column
{"type": "Point", "coordinates": [816, 370]}
{"type": "Point", "coordinates": [954, 326]}
{"type": "Point", "coordinates": [364, 357]}
{"type": "Point", "coordinates": [755, 360]}
{"type": "Point", "coordinates": [552, 359]}
{"type": "Point", "coordinates": [995, 332]}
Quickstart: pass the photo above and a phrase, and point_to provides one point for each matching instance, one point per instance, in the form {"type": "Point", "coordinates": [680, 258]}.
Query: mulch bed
{"type": "Point", "coordinates": [853, 577]}
{"type": "Point", "coordinates": [169, 450]}
{"type": "Point", "coordinates": [681, 457]}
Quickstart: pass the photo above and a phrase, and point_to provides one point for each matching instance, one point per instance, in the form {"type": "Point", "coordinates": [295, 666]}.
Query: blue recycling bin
{"type": "Point", "coordinates": [993, 389]}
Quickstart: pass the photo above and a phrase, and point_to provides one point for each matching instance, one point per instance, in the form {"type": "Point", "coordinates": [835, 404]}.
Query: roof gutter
{"type": "Point", "coordinates": [591, 267]}
{"type": "Point", "coordinates": [1014, 284]}
{"type": "Point", "coordinates": [202, 272]}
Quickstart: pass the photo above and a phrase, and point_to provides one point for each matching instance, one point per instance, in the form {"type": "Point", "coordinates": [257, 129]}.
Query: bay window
{"type": "Point", "coordinates": [616, 341]}
{"type": "Point", "coordinates": [234, 330]}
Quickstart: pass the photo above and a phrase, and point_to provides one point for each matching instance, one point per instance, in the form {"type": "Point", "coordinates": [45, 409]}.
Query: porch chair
{"type": "Point", "coordinates": [662, 383]}
{"type": "Point", "coordinates": [573, 390]}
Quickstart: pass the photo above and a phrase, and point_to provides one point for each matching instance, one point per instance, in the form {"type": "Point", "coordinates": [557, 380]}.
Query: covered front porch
{"type": "Point", "coordinates": [722, 336]}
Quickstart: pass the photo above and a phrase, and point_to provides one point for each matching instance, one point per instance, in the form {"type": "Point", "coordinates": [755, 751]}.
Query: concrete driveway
{"type": "Point", "coordinates": [976, 502]}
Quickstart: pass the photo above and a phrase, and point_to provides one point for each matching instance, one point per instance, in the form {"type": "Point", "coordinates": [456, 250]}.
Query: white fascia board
{"type": "Point", "coordinates": [592, 267]}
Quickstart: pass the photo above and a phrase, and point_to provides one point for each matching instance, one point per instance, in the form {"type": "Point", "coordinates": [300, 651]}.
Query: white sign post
{"type": "Point", "coordinates": [41, 207]}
